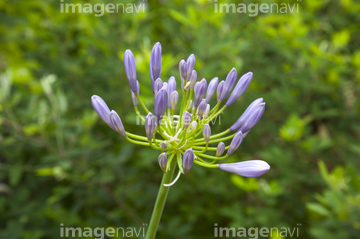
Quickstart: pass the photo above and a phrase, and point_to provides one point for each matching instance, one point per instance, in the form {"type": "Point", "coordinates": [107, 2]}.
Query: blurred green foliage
{"type": "Point", "coordinates": [60, 164]}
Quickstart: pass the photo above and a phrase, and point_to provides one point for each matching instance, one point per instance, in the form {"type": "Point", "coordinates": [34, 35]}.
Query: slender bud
{"type": "Point", "coordinates": [211, 89]}
{"type": "Point", "coordinates": [188, 160]}
{"type": "Point", "coordinates": [220, 149]}
{"type": "Point", "coordinates": [200, 90]}
{"type": "Point", "coordinates": [248, 112]}
{"type": "Point", "coordinates": [183, 72]}
{"type": "Point", "coordinates": [186, 119]}
{"type": "Point", "coordinates": [134, 99]}
{"type": "Point", "coordinates": [155, 64]}
{"type": "Point", "coordinates": [130, 69]}
{"type": "Point", "coordinates": [229, 84]}
{"type": "Point", "coordinates": [253, 118]}
{"type": "Point", "coordinates": [193, 79]}
{"type": "Point", "coordinates": [163, 145]}
{"type": "Point", "coordinates": [101, 108]}
{"type": "Point", "coordinates": [206, 132]}
{"type": "Point", "coordinates": [161, 99]}
{"type": "Point", "coordinates": [219, 89]}
{"type": "Point", "coordinates": [190, 62]}
{"type": "Point", "coordinates": [150, 126]}
{"type": "Point", "coordinates": [117, 124]}
{"type": "Point", "coordinates": [206, 113]}
{"type": "Point", "coordinates": [165, 86]}
{"type": "Point", "coordinates": [193, 125]}
{"type": "Point", "coordinates": [202, 108]}
{"type": "Point", "coordinates": [171, 89]}
{"type": "Point", "coordinates": [158, 85]}
{"type": "Point", "coordinates": [235, 143]}
{"type": "Point", "coordinates": [240, 87]}
{"type": "Point", "coordinates": [162, 161]}
{"type": "Point", "coordinates": [251, 169]}
{"type": "Point", "coordinates": [174, 98]}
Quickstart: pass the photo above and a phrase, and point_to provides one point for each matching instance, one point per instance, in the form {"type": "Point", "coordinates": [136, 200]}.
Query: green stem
{"type": "Point", "coordinates": [160, 202]}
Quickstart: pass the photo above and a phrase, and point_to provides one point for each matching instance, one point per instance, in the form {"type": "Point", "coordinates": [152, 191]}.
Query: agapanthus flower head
{"type": "Point", "coordinates": [184, 137]}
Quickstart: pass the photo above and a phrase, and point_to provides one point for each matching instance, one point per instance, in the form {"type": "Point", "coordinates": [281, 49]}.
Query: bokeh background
{"type": "Point", "coordinates": [59, 163]}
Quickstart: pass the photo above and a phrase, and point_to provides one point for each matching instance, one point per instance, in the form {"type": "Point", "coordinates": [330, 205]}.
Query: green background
{"type": "Point", "coordinates": [60, 163]}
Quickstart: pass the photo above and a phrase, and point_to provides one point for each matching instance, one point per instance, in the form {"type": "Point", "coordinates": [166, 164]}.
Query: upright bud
{"type": "Point", "coordinates": [162, 161]}
{"type": "Point", "coordinates": [171, 89]}
{"type": "Point", "coordinates": [158, 85]}
{"type": "Point", "coordinates": [155, 64]}
{"type": "Point", "coordinates": [207, 111]}
{"type": "Point", "coordinates": [163, 145]}
{"type": "Point", "coordinates": [202, 108]}
{"type": "Point", "coordinates": [200, 90]}
{"type": "Point", "coordinates": [183, 72]}
{"type": "Point", "coordinates": [117, 124]}
{"type": "Point", "coordinates": [188, 160]}
{"type": "Point", "coordinates": [130, 69]}
{"type": "Point", "coordinates": [250, 110]}
{"type": "Point", "coordinates": [174, 98]}
{"type": "Point", "coordinates": [219, 89]}
{"type": "Point", "coordinates": [150, 126]}
{"type": "Point", "coordinates": [206, 132]}
{"type": "Point", "coordinates": [161, 99]}
{"type": "Point", "coordinates": [251, 169]}
{"type": "Point", "coordinates": [190, 62]}
{"type": "Point", "coordinates": [220, 149]}
{"type": "Point", "coordinates": [134, 99]}
{"type": "Point", "coordinates": [240, 87]}
{"type": "Point", "coordinates": [101, 108]}
{"type": "Point", "coordinates": [229, 84]}
{"type": "Point", "coordinates": [193, 125]}
{"type": "Point", "coordinates": [193, 79]}
{"type": "Point", "coordinates": [211, 89]}
{"type": "Point", "coordinates": [235, 143]}
{"type": "Point", "coordinates": [186, 119]}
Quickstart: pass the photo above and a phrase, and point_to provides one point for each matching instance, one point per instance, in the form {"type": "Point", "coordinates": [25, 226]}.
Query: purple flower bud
{"type": "Point", "coordinates": [200, 90]}
{"type": "Point", "coordinates": [206, 132]}
{"type": "Point", "coordinates": [220, 149]}
{"type": "Point", "coordinates": [251, 169]}
{"type": "Point", "coordinates": [150, 126]}
{"type": "Point", "coordinates": [229, 84]}
{"type": "Point", "coordinates": [134, 99]}
{"type": "Point", "coordinates": [240, 87]}
{"type": "Point", "coordinates": [193, 125]}
{"type": "Point", "coordinates": [163, 145]}
{"type": "Point", "coordinates": [183, 72]}
{"type": "Point", "coordinates": [219, 89]}
{"type": "Point", "coordinates": [188, 160]}
{"type": "Point", "coordinates": [186, 119]}
{"type": "Point", "coordinates": [165, 86]}
{"type": "Point", "coordinates": [158, 85]}
{"type": "Point", "coordinates": [163, 161]}
{"type": "Point", "coordinates": [202, 108]}
{"type": "Point", "coordinates": [174, 98]}
{"type": "Point", "coordinates": [155, 64]}
{"type": "Point", "coordinates": [161, 100]}
{"type": "Point", "coordinates": [193, 79]}
{"type": "Point", "coordinates": [171, 89]}
{"type": "Point", "coordinates": [249, 111]}
{"type": "Point", "coordinates": [206, 113]}
{"type": "Point", "coordinates": [253, 118]}
{"type": "Point", "coordinates": [211, 89]}
{"type": "Point", "coordinates": [137, 87]}
{"type": "Point", "coordinates": [190, 62]}
{"type": "Point", "coordinates": [130, 69]}
{"type": "Point", "coordinates": [117, 124]}
{"type": "Point", "coordinates": [101, 108]}
{"type": "Point", "coordinates": [235, 143]}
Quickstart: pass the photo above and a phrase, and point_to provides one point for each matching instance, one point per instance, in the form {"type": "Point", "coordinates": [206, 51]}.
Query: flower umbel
{"type": "Point", "coordinates": [185, 137]}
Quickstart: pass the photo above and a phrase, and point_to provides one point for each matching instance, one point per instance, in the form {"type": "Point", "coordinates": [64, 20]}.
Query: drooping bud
{"type": "Point", "coordinates": [248, 112]}
{"type": "Point", "coordinates": [193, 125]}
{"type": "Point", "coordinates": [150, 126]}
{"type": "Point", "coordinates": [188, 160]}
{"type": "Point", "coordinates": [219, 90]}
{"type": "Point", "coordinates": [190, 62]}
{"type": "Point", "coordinates": [134, 99]}
{"type": "Point", "coordinates": [235, 143]}
{"type": "Point", "coordinates": [186, 119]}
{"type": "Point", "coordinates": [117, 124]}
{"type": "Point", "coordinates": [220, 149]}
{"type": "Point", "coordinates": [158, 85]}
{"type": "Point", "coordinates": [193, 79]}
{"type": "Point", "coordinates": [240, 87]}
{"type": "Point", "coordinates": [202, 108]}
{"type": "Point", "coordinates": [171, 89]}
{"type": "Point", "coordinates": [229, 84]}
{"type": "Point", "coordinates": [163, 161]}
{"type": "Point", "coordinates": [130, 69]}
{"type": "Point", "coordinates": [174, 98]}
{"type": "Point", "coordinates": [163, 145]}
{"type": "Point", "coordinates": [200, 90]}
{"type": "Point", "coordinates": [155, 64]}
{"type": "Point", "coordinates": [253, 118]}
{"type": "Point", "coordinates": [251, 169]}
{"type": "Point", "coordinates": [161, 99]}
{"type": "Point", "coordinates": [206, 132]}
{"type": "Point", "coordinates": [101, 108]}
{"type": "Point", "coordinates": [211, 89]}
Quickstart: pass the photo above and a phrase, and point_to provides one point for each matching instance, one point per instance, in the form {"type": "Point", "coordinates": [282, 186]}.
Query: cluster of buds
{"type": "Point", "coordinates": [186, 137]}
